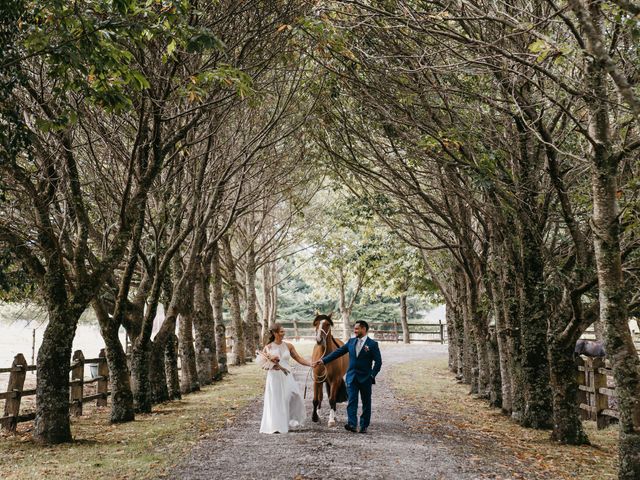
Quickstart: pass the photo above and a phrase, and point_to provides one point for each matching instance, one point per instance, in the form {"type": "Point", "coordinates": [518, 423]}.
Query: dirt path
{"type": "Point", "coordinates": [392, 449]}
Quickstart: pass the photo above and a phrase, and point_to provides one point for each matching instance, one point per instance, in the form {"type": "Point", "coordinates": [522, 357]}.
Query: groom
{"type": "Point", "coordinates": [362, 353]}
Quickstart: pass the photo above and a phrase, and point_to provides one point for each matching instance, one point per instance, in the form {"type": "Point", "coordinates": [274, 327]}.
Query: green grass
{"type": "Point", "coordinates": [140, 449]}
{"type": "Point", "coordinates": [450, 412]}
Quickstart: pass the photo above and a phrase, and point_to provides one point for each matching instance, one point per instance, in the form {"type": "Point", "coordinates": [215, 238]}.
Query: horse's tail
{"type": "Point", "coordinates": [342, 396]}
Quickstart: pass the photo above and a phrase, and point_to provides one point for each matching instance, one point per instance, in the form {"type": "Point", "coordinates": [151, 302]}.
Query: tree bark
{"type": "Point", "coordinates": [266, 297]}
{"type": "Point", "coordinates": [538, 411]}
{"type": "Point", "coordinates": [122, 405]}
{"type": "Point", "coordinates": [140, 380]}
{"type": "Point", "coordinates": [238, 348]}
{"type": "Point", "coordinates": [250, 316]}
{"type": "Point", "coordinates": [172, 377]}
{"type": "Point", "coordinates": [567, 425]}
{"type": "Point", "coordinates": [404, 320]}
{"type": "Point", "coordinates": [478, 322]}
{"type": "Point", "coordinates": [495, 379]}
{"type": "Point", "coordinates": [52, 391]}
{"type": "Point", "coordinates": [204, 324]}
{"type": "Point", "coordinates": [158, 380]}
{"type": "Point", "coordinates": [217, 300]}
{"type": "Point", "coordinates": [189, 372]}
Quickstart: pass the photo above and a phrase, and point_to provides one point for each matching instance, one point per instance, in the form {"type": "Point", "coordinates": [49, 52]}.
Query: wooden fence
{"type": "Point", "coordinates": [596, 395]}
{"type": "Point", "coordinates": [418, 332]}
{"type": "Point", "coordinates": [17, 375]}
{"type": "Point", "coordinates": [382, 331]}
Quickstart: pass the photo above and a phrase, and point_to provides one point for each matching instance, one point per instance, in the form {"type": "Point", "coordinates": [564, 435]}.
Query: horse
{"type": "Point", "coordinates": [590, 348]}
{"type": "Point", "coordinates": [331, 375]}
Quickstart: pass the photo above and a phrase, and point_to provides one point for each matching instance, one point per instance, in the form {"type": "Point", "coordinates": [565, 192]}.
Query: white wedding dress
{"type": "Point", "coordinates": [283, 403]}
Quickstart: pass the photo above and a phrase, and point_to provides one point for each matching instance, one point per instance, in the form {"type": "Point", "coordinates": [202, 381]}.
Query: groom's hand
{"type": "Point", "coordinates": [317, 362]}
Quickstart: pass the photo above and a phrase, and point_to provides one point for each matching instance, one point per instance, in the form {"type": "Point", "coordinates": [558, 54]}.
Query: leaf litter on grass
{"type": "Point", "coordinates": [137, 449]}
{"type": "Point", "coordinates": [445, 409]}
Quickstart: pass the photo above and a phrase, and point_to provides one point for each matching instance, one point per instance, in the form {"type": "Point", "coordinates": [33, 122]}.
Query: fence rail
{"type": "Point", "coordinates": [77, 398]}
{"type": "Point", "coordinates": [382, 331]}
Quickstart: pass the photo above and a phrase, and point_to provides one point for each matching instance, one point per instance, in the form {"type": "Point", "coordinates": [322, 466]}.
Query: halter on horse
{"type": "Point", "coordinates": [331, 375]}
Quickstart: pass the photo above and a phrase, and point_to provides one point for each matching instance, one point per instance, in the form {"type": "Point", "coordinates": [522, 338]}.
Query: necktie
{"type": "Point", "coordinates": [359, 347]}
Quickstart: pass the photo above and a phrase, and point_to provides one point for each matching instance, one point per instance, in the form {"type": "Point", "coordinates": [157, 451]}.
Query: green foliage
{"type": "Point", "coordinates": [13, 131]}
{"type": "Point", "coordinates": [92, 47]}
{"type": "Point", "coordinates": [298, 300]}
{"type": "Point", "coordinates": [15, 284]}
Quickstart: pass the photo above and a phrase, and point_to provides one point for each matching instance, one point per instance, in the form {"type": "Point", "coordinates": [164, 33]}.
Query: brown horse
{"type": "Point", "coordinates": [331, 375]}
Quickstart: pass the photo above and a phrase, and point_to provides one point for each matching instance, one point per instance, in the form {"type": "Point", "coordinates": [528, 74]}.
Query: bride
{"type": "Point", "coordinates": [283, 403]}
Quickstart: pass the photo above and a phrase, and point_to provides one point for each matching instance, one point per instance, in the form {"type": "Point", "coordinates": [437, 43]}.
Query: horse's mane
{"type": "Point", "coordinates": [321, 317]}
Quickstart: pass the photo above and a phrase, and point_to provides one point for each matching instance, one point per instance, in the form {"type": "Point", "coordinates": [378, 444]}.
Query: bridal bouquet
{"type": "Point", "coordinates": [267, 361]}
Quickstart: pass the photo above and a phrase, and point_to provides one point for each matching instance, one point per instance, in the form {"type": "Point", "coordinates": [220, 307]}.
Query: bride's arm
{"type": "Point", "coordinates": [296, 356]}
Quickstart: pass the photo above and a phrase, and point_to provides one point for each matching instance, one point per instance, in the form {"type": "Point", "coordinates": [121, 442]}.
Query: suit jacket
{"type": "Point", "coordinates": [363, 367]}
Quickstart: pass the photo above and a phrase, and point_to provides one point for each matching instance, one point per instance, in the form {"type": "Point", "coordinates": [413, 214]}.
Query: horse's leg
{"type": "Point", "coordinates": [317, 401]}
{"type": "Point", "coordinates": [331, 393]}
{"type": "Point", "coordinates": [332, 404]}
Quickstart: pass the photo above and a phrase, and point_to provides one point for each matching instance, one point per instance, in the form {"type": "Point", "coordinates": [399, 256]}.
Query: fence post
{"type": "Point", "coordinates": [296, 333]}
{"type": "Point", "coordinates": [441, 332]}
{"type": "Point", "coordinates": [103, 383]}
{"type": "Point", "coordinates": [77, 385]}
{"type": "Point", "coordinates": [16, 384]}
{"type": "Point", "coordinates": [582, 379]}
{"type": "Point", "coordinates": [33, 347]}
{"type": "Point", "coordinates": [601, 400]}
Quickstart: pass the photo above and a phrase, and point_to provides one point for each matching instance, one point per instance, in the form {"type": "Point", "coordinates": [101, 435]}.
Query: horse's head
{"type": "Point", "coordinates": [322, 324]}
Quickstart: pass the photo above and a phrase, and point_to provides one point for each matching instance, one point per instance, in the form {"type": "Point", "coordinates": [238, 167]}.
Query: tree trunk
{"type": "Point", "coordinates": [469, 356]}
{"type": "Point", "coordinates": [172, 377]}
{"type": "Point", "coordinates": [122, 406]}
{"type": "Point", "coordinates": [238, 348]}
{"type": "Point", "coordinates": [404, 319]}
{"type": "Point", "coordinates": [538, 412]}
{"type": "Point", "coordinates": [204, 325]}
{"type": "Point", "coordinates": [345, 311]}
{"type": "Point", "coordinates": [250, 310]}
{"type": "Point", "coordinates": [510, 308]}
{"type": "Point", "coordinates": [189, 372]}
{"type": "Point", "coordinates": [567, 425]}
{"type": "Point", "coordinates": [266, 295]}
{"type": "Point", "coordinates": [140, 380]}
{"type": "Point", "coordinates": [217, 300]}
{"type": "Point", "coordinates": [478, 322]}
{"type": "Point", "coordinates": [274, 293]}
{"type": "Point", "coordinates": [503, 357]}
{"type": "Point", "coordinates": [607, 235]}
{"type": "Point", "coordinates": [345, 315]}
{"type": "Point", "coordinates": [157, 373]}
{"type": "Point", "coordinates": [451, 344]}
{"type": "Point", "coordinates": [613, 306]}
{"type": "Point", "coordinates": [52, 391]}
{"type": "Point", "coordinates": [495, 379]}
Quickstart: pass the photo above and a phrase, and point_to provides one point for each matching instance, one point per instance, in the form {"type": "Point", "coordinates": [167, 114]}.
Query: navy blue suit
{"type": "Point", "coordinates": [360, 375]}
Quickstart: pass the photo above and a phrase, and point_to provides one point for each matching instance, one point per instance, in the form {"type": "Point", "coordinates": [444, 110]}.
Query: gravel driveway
{"type": "Point", "coordinates": [390, 449]}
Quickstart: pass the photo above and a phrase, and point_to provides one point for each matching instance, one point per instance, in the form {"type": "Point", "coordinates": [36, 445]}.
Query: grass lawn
{"type": "Point", "coordinates": [140, 449]}
{"type": "Point", "coordinates": [447, 410]}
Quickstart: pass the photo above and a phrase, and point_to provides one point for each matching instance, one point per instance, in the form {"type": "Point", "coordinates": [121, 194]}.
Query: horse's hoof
{"type": "Point", "coordinates": [315, 418]}
{"type": "Point", "coordinates": [332, 423]}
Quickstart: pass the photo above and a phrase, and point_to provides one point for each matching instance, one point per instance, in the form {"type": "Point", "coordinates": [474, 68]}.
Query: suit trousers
{"type": "Point", "coordinates": [363, 389]}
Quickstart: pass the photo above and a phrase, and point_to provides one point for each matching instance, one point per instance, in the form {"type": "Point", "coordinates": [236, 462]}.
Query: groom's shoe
{"type": "Point", "coordinates": [350, 427]}
{"type": "Point", "coordinates": [363, 430]}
